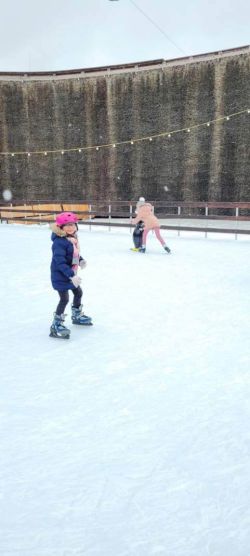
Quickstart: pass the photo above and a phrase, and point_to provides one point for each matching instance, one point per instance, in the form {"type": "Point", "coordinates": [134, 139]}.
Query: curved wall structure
{"type": "Point", "coordinates": [98, 106]}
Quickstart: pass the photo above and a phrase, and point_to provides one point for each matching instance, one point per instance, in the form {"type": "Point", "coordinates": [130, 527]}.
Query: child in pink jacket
{"type": "Point", "coordinates": [146, 214]}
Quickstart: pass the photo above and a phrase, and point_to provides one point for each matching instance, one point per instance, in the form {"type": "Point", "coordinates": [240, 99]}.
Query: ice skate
{"type": "Point", "coordinates": [57, 329]}
{"type": "Point", "coordinates": [167, 248]}
{"type": "Point", "coordinates": [78, 317]}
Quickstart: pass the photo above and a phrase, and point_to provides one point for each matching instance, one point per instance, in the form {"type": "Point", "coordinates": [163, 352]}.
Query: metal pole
{"type": "Point", "coordinates": [110, 217]}
{"type": "Point", "coordinates": [90, 210]}
{"type": "Point", "coordinates": [130, 215]}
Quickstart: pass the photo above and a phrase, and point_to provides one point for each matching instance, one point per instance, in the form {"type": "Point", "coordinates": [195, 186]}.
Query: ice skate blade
{"type": "Point", "coordinates": [88, 323]}
{"type": "Point", "coordinates": [65, 337]}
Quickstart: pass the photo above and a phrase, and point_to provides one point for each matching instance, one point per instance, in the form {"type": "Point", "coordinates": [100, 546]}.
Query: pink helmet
{"type": "Point", "coordinates": [66, 218]}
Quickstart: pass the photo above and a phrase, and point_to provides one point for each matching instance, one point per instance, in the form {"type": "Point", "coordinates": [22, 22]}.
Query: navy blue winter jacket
{"type": "Point", "coordinates": [61, 264]}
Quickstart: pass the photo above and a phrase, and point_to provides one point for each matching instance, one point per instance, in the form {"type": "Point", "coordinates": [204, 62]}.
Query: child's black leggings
{"type": "Point", "coordinates": [64, 299]}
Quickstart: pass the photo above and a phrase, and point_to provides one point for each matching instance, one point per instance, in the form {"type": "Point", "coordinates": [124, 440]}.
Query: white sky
{"type": "Point", "coordinates": [54, 35]}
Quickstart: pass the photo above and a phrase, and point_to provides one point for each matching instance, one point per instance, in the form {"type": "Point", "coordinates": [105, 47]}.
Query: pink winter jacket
{"type": "Point", "coordinates": [146, 214]}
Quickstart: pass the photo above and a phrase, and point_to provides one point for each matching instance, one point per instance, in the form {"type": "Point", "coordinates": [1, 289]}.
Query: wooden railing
{"type": "Point", "coordinates": [96, 212]}
{"type": "Point", "coordinates": [41, 212]}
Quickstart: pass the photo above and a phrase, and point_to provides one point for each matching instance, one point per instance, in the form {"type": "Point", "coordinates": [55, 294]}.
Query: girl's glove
{"type": "Point", "coordinates": [76, 280]}
{"type": "Point", "coordinates": [82, 263]}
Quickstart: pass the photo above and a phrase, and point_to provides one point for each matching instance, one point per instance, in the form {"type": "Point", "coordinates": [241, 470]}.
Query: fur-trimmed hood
{"type": "Point", "coordinates": [57, 231]}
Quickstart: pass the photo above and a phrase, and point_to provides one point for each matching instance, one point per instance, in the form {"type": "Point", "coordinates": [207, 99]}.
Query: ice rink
{"type": "Point", "coordinates": [131, 438]}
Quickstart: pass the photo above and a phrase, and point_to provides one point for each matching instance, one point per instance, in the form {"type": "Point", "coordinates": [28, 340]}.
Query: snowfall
{"type": "Point", "coordinates": [132, 437]}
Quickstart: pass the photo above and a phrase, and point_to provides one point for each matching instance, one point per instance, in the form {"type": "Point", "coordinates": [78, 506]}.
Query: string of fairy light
{"type": "Point", "coordinates": [132, 141]}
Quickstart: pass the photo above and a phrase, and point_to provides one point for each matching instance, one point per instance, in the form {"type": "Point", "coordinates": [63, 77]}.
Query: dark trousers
{"type": "Point", "coordinates": [64, 299]}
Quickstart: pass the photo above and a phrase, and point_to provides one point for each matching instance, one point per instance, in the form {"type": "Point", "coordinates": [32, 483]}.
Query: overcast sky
{"type": "Point", "coordinates": [54, 35]}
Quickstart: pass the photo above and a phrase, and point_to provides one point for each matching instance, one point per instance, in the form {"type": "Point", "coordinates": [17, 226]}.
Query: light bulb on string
{"type": "Point", "coordinates": [131, 141]}
{"type": "Point", "coordinates": [97, 148]}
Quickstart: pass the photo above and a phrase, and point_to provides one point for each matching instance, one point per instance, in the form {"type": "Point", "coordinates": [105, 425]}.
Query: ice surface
{"type": "Point", "coordinates": [131, 438]}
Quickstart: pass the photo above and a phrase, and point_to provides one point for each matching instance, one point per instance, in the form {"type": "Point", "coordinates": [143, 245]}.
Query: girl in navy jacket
{"type": "Point", "coordinates": [66, 259]}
